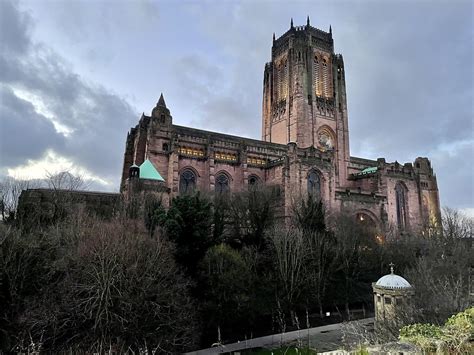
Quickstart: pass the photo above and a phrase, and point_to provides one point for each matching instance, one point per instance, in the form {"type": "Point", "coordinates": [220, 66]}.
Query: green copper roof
{"type": "Point", "coordinates": [148, 171]}
{"type": "Point", "coordinates": [369, 170]}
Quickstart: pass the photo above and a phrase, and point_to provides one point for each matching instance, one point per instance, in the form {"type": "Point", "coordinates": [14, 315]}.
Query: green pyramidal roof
{"type": "Point", "coordinates": [148, 171]}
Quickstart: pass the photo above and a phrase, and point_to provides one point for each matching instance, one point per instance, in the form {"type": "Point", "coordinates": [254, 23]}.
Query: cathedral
{"type": "Point", "coordinates": [304, 147]}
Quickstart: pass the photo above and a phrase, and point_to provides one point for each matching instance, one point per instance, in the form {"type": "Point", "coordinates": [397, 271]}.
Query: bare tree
{"type": "Point", "coordinates": [10, 191]}
{"type": "Point", "coordinates": [456, 225]}
{"type": "Point", "coordinates": [353, 244]}
{"type": "Point", "coordinates": [115, 287]}
{"type": "Point", "coordinates": [289, 250]}
{"type": "Point", "coordinates": [65, 180]}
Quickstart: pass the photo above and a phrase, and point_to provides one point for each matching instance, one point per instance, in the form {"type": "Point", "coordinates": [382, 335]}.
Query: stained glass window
{"type": "Point", "coordinates": [401, 205]}
{"type": "Point", "coordinates": [314, 184]}
{"type": "Point", "coordinates": [187, 182]}
{"type": "Point", "coordinates": [222, 183]}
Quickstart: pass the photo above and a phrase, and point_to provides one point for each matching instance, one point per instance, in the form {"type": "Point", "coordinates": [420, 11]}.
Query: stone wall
{"type": "Point", "coordinates": [47, 205]}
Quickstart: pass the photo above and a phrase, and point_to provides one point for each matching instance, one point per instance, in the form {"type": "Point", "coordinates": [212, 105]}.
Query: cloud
{"type": "Point", "coordinates": [15, 29]}
{"type": "Point", "coordinates": [24, 133]}
{"type": "Point", "coordinates": [46, 107]}
{"type": "Point", "coordinates": [50, 164]}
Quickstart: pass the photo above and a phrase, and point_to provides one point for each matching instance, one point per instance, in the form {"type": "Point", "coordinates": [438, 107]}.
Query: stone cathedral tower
{"type": "Point", "coordinates": [304, 94]}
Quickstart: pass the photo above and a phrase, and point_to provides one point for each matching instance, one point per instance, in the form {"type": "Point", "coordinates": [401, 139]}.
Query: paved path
{"type": "Point", "coordinates": [326, 334]}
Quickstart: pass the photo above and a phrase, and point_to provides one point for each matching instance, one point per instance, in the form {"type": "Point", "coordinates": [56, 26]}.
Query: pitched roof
{"type": "Point", "coordinates": [148, 171]}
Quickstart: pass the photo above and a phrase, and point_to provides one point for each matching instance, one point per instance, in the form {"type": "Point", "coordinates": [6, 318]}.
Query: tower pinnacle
{"type": "Point", "coordinates": [307, 21]}
{"type": "Point", "coordinates": [291, 23]}
{"type": "Point", "coordinates": [161, 101]}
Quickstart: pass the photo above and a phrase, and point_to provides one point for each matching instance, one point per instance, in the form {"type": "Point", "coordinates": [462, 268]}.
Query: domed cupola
{"type": "Point", "coordinates": [391, 293]}
{"type": "Point", "coordinates": [392, 281]}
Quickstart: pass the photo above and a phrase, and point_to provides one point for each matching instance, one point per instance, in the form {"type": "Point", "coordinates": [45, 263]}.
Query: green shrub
{"type": "Point", "coordinates": [455, 336]}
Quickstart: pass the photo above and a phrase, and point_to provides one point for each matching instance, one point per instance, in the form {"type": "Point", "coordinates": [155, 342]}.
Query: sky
{"type": "Point", "coordinates": [76, 75]}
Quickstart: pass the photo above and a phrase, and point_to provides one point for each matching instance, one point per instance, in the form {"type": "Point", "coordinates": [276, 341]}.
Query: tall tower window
{"type": "Point", "coordinates": [222, 183]}
{"type": "Point", "coordinates": [316, 81]}
{"type": "Point", "coordinates": [282, 80]}
{"type": "Point", "coordinates": [400, 195]}
{"type": "Point", "coordinates": [187, 182]}
{"type": "Point", "coordinates": [314, 184]}
{"type": "Point", "coordinates": [325, 79]}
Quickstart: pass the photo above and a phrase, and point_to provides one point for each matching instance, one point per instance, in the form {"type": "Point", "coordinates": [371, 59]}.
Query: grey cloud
{"type": "Point", "coordinates": [24, 133]}
{"type": "Point", "coordinates": [218, 104]}
{"type": "Point", "coordinates": [74, 18]}
{"type": "Point", "coordinates": [455, 175]}
{"type": "Point", "coordinates": [197, 79]}
{"type": "Point", "coordinates": [99, 118]}
{"type": "Point", "coordinates": [14, 29]}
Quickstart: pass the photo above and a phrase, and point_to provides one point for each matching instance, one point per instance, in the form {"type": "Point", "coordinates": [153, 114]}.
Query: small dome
{"type": "Point", "coordinates": [393, 281]}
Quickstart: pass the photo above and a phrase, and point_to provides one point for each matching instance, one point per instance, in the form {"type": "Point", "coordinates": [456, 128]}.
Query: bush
{"type": "Point", "coordinates": [455, 336]}
{"type": "Point", "coordinates": [102, 285]}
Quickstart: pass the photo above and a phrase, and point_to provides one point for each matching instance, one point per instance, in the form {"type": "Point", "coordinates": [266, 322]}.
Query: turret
{"type": "Point", "coordinates": [161, 114]}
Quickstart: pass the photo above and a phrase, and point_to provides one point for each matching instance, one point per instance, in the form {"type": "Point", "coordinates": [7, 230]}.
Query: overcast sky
{"type": "Point", "coordinates": [76, 75]}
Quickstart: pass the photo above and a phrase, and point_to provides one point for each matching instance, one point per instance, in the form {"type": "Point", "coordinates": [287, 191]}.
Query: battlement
{"type": "Point", "coordinates": [318, 37]}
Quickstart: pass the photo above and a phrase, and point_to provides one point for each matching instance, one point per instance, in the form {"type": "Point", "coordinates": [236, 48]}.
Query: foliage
{"type": "Point", "coordinates": [356, 255]}
{"type": "Point", "coordinates": [90, 285]}
{"type": "Point", "coordinates": [226, 281]}
{"type": "Point", "coordinates": [226, 264]}
{"type": "Point", "coordinates": [361, 350]}
{"type": "Point", "coordinates": [455, 336]}
{"type": "Point", "coordinates": [188, 224]}
{"type": "Point", "coordinates": [441, 277]}
{"type": "Point", "coordinates": [309, 214]}
{"type": "Point", "coordinates": [251, 214]}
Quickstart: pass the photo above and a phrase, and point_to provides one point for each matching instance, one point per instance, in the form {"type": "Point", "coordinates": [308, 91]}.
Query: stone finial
{"type": "Point", "coordinates": [291, 23]}
{"type": "Point", "coordinates": [161, 101]}
{"type": "Point", "coordinates": [391, 267]}
{"type": "Point", "coordinates": [330, 29]}
{"type": "Point", "coordinates": [307, 21]}
{"type": "Point", "coordinates": [273, 36]}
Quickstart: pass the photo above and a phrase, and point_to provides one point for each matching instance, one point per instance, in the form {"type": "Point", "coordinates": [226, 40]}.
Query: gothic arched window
{"type": "Point", "coordinates": [314, 184]}
{"type": "Point", "coordinates": [400, 196]}
{"type": "Point", "coordinates": [254, 181]}
{"type": "Point", "coordinates": [222, 183]}
{"type": "Point", "coordinates": [187, 182]}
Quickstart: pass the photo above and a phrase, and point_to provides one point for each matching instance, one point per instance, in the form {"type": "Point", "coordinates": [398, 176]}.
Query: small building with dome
{"type": "Point", "coordinates": [391, 293]}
